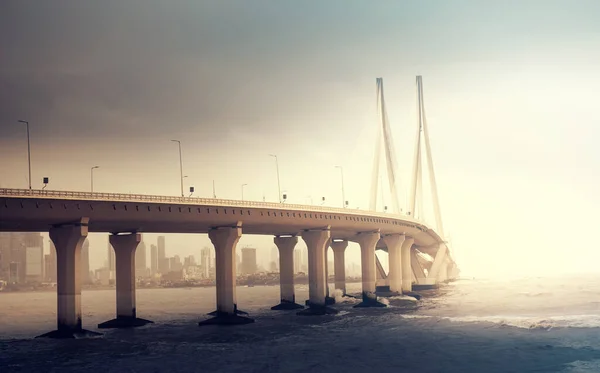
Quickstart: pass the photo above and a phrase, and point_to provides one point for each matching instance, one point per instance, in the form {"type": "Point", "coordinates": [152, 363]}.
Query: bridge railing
{"type": "Point", "coordinates": [41, 193]}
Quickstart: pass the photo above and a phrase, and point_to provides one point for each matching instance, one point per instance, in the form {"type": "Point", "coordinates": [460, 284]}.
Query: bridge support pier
{"type": "Point", "coordinates": [286, 247]}
{"type": "Point", "coordinates": [124, 247]}
{"type": "Point", "coordinates": [368, 242]}
{"type": "Point", "coordinates": [339, 251]}
{"type": "Point", "coordinates": [394, 245]}
{"type": "Point", "coordinates": [407, 274]}
{"type": "Point", "coordinates": [225, 240]}
{"type": "Point", "coordinates": [329, 300]}
{"type": "Point", "coordinates": [316, 242]}
{"type": "Point", "coordinates": [68, 240]}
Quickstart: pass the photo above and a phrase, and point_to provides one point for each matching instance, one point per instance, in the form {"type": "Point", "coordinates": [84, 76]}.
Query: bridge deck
{"type": "Point", "coordinates": [39, 210]}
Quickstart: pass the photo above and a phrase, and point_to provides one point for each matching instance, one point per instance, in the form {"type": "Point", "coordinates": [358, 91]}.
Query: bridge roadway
{"type": "Point", "coordinates": [69, 216]}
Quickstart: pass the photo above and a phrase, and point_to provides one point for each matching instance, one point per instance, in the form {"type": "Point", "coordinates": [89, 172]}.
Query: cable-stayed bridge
{"type": "Point", "coordinates": [69, 216]}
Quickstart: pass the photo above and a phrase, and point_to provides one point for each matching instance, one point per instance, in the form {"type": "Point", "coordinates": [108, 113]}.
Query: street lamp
{"type": "Point", "coordinates": [343, 194]}
{"type": "Point", "coordinates": [28, 149]}
{"type": "Point", "coordinates": [243, 185]}
{"type": "Point", "coordinates": [278, 183]}
{"type": "Point", "coordinates": [92, 177]}
{"type": "Point", "coordinates": [180, 165]}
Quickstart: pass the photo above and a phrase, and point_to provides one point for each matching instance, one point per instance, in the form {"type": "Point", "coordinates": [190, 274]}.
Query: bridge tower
{"type": "Point", "coordinates": [422, 141]}
{"type": "Point", "coordinates": [443, 267]}
{"type": "Point", "coordinates": [437, 270]}
{"type": "Point", "coordinates": [384, 135]}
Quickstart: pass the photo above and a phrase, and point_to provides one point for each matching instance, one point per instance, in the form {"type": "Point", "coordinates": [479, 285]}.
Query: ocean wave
{"type": "Point", "coordinates": [524, 322]}
{"type": "Point", "coordinates": [535, 294]}
{"type": "Point", "coordinates": [581, 366]}
{"type": "Point", "coordinates": [412, 316]}
{"type": "Point", "coordinates": [403, 297]}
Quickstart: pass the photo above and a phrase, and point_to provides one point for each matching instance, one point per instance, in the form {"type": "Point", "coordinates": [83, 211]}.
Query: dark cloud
{"type": "Point", "coordinates": [153, 67]}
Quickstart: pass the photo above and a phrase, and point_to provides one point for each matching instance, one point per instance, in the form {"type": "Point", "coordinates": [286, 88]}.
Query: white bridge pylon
{"type": "Point", "coordinates": [416, 195]}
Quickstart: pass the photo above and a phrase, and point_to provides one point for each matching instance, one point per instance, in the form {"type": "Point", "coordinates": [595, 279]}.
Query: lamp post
{"type": "Point", "coordinates": [92, 178]}
{"type": "Point", "coordinates": [278, 183]}
{"type": "Point", "coordinates": [343, 194]}
{"type": "Point", "coordinates": [180, 165]}
{"type": "Point", "coordinates": [243, 185]}
{"type": "Point", "coordinates": [28, 149]}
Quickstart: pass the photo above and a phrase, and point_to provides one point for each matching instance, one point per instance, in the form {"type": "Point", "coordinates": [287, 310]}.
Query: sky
{"type": "Point", "coordinates": [511, 93]}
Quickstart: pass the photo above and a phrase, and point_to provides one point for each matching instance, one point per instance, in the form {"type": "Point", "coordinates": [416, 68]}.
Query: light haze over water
{"type": "Point", "coordinates": [477, 325]}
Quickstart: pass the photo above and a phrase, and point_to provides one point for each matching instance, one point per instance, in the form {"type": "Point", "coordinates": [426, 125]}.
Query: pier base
{"type": "Point", "coordinates": [69, 334]}
{"type": "Point", "coordinates": [369, 300]}
{"type": "Point", "coordinates": [417, 296]}
{"type": "Point", "coordinates": [287, 305]}
{"type": "Point", "coordinates": [124, 322]}
{"type": "Point", "coordinates": [237, 312]}
{"type": "Point", "coordinates": [317, 310]}
{"type": "Point", "coordinates": [223, 318]}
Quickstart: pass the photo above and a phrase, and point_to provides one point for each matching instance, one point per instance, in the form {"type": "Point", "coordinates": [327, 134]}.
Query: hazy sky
{"type": "Point", "coordinates": [511, 92]}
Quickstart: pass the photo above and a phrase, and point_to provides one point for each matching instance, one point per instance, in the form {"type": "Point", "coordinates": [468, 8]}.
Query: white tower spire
{"type": "Point", "coordinates": [384, 133]}
{"type": "Point", "coordinates": [416, 190]}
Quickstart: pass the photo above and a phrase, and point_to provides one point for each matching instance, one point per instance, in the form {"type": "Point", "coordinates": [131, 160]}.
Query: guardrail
{"type": "Point", "coordinates": [40, 193]}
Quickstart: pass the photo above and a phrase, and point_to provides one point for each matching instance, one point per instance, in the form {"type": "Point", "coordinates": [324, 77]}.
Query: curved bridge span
{"type": "Point", "coordinates": [69, 216]}
{"type": "Point", "coordinates": [39, 210]}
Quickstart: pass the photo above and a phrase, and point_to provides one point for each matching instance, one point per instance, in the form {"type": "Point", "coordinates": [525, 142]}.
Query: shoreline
{"type": "Point", "coordinates": [46, 289]}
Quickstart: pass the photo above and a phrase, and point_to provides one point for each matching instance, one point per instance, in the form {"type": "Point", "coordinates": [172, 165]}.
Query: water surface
{"type": "Point", "coordinates": [525, 325]}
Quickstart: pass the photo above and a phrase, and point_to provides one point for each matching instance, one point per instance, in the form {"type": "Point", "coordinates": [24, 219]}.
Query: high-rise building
{"type": "Point", "coordinates": [189, 261]}
{"type": "Point", "coordinates": [304, 265]}
{"type": "Point", "coordinates": [205, 261]}
{"type": "Point", "coordinates": [34, 257]}
{"type": "Point", "coordinates": [175, 264]}
{"type": "Point", "coordinates": [248, 261]}
{"type": "Point", "coordinates": [140, 260]}
{"type": "Point", "coordinates": [5, 239]}
{"type": "Point", "coordinates": [50, 263]}
{"type": "Point", "coordinates": [164, 266]}
{"type": "Point", "coordinates": [34, 263]}
{"type": "Point", "coordinates": [162, 255]}
{"type": "Point", "coordinates": [153, 259]}
{"type": "Point", "coordinates": [273, 267]}
{"type": "Point", "coordinates": [16, 250]}
{"type": "Point", "coordinates": [85, 262]}
{"type": "Point", "coordinates": [297, 261]}
{"type": "Point", "coordinates": [330, 268]}
{"type": "Point", "coordinates": [111, 258]}
{"type": "Point", "coordinates": [274, 264]}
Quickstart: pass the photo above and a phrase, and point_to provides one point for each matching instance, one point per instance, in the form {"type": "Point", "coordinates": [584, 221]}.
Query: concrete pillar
{"type": "Point", "coordinates": [407, 276]}
{"type": "Point", "coordinates": [394, 245]}
{"type": "Point", "coordinates": [328, 299]}
{"type": "Point", "coordinates": [439, 261]}
{"type": "Point", "coordinates": [339, 251]}
{"type": "Point", "coordinates": [68, 240]}
{"type": "Point", "coordinates": [368, 242]}
{"type": "Point", "coordinates": [316, 242]}
{"type": "Point", "coordinates": [286, 247]}
{"type": "Point", "coordinates": [124, 247]}
{"type": "Point", "coordinates": [225, 240]}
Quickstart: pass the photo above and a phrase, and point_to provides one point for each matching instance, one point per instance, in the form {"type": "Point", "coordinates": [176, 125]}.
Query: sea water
{"type": "Point", "coordinates": [471, 325]}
